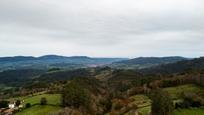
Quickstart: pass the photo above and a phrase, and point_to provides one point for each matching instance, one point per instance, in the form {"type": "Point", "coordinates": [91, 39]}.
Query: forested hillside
{"type": "Point", "coordinates": [145, 62]}
{"type": "Point", "coordinates": [53, 61]}
{"type": "Point", "coordinates": [177, 67]}
{"type": "Point", "coordinates": [173, 88]}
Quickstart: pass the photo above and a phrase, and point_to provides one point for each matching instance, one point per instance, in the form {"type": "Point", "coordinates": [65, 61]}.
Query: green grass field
{"type": "Point", "coordinates": [53, 99]}
{"type": "Point", "coordinates": [144, 110]}
{"type": "Point", "coordinates": [194, 111]}
{"type": "Point", "coordinates": [175, 92]}
{"type": "Point", "coordinates": [39, 110]}
{"type": "Point", "coordinates": [141, 100]}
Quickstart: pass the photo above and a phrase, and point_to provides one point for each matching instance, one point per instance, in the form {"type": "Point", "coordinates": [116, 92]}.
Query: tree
{"type": "Point", "coordinates": [75, 96]}
{"type": "Point", "coordinates": [161, 103]}
{"type": "Point", "coordinates": [18, 102]}
{"type": "Point", "coordinates": [106, 104]}
{"type": "Point", "coordinates": [43, 101]}
{"type": "Point", "coordinates": [192, 99]}
{"type": "Point", "coordinates": [4, 104]}
{"type": "Point", "coordinates": [28, 105]}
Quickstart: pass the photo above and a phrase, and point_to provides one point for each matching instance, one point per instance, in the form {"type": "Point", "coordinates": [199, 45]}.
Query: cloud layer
{"type": "Point", "coordinates": [102, 28]}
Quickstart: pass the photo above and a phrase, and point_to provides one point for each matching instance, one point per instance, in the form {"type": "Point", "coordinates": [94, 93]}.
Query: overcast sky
{"type": "Point", "coordinates": [102, 28]}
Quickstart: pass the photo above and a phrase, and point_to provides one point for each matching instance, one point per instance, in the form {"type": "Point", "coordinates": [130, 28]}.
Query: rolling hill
{"type": "Point", "coordinates": [145, 62]}
{"type": "Point", "coordinates": [180, 66]}
{"type": "Point", "coordinates": [50, 61]}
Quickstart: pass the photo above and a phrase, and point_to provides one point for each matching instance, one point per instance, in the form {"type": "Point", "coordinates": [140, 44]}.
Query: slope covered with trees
{"type": "Point", "coordinates": [180, 66]}
{"type": "Point", "coordinates": [104, 90]}
{"type": "Point", "coordinates": [145, 62]}
{"type": "Point", "coordinates": [50, 61]}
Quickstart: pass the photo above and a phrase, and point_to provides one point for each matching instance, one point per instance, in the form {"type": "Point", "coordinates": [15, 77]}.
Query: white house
{"type": "Point", "coordinates": [20, 106]}
{"type": "Point", "coordinates": [11, 105]}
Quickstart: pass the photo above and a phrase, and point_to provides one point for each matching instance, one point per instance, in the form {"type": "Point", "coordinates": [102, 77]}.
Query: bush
{"type": "Point", "coordinates": [43, 101]}
{"type": "Point", "coordinates": [192, 100]}
{"type": "Point", "coordinates": [161, 103]}
{"type": "Point", "coordinates": [28, 105]}
{"type": "Point", "coordinates": [106, 104]}
{"type": "Point", "coordinates": [18, 102]}
{"type": "Point", "coordinates": [118, 106]}
{"type": "Point", "coordinates": [3, 104]}
{"type": "Point", "coordinates": [122, 87]}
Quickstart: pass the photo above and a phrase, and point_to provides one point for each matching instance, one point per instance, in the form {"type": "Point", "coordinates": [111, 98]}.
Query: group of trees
{"type": "Point", "coordinates": [161, 103]}
{"type": "Point", "coordinates": [87, 95]}
{"type": "Point", "coordinates": [18, 77]}
{"type": "Point", "coordinates": [76, 96]}
{"type": "Point", "coordinates": [190, 100]}
{"type": "Point", "coordinates": [190, 77]}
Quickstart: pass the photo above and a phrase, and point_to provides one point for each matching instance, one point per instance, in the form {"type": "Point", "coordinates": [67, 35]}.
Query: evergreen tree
{"type": "Point", "coordinates": [161, 103]}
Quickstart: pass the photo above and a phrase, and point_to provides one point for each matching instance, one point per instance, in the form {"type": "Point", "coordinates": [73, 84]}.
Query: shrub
{"type": "Point", "coordinates": [43, 101]}
{"type": "Point", "coordinates": [28, 105]}
{"type": "Point", "coordinates": [106, 104]}
{"type": "Point", "coordinates": [118, 106]}
{"type": "Point", "coordinates": [18, 102]}
{"type": "Point", "coordinates": [3, 104]}
{"type": "Point", "coordinates": [192, 100]}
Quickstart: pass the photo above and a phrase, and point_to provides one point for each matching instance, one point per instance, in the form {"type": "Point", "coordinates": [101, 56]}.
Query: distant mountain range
{"type": "Point", "coordinates": [146, 62]}
{"type": "Point", "coordinates": [177, 67]}
{"type": "Point", "coordinates": [50, 61]}
{"type": "Point", "coordinates": [73, 59]}
{"type": "Point", "coordinates": [27, 69]}
{"type": "Point", "coordinates": [149, 64]}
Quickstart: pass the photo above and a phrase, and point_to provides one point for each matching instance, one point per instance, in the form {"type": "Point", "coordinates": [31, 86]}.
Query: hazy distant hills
{"type": "Point", "coordinates": [49, 61]}
{"type": "Point", "coordinates": [16, 59]}
{"type": "Point", "coordinates": [177, 67]}
{"type": "Point", "coordinates": [33, 68]}
{"type": "Point", "coordinates": [146, 62]}
{"type": "Point", "coordinates": [75, 62]}
{"type": "Point", "coordinates": [73, 59]}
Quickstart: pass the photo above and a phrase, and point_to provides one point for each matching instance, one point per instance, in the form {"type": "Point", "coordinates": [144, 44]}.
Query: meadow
{"type": "Point", "coordinates": [39, 110]}
{"type": "Point", "coordinates": [143, 102]}
{"type": "Point", "coordinates": [52, 99]}
{"type": "Point", "coordinates": [53, 104]}
{"type": "Point", "coordinates": [192, 111]}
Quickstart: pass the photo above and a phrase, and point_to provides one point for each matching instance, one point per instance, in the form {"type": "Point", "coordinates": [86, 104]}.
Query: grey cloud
{"type": "Point", "coordinates": [102, 28]}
